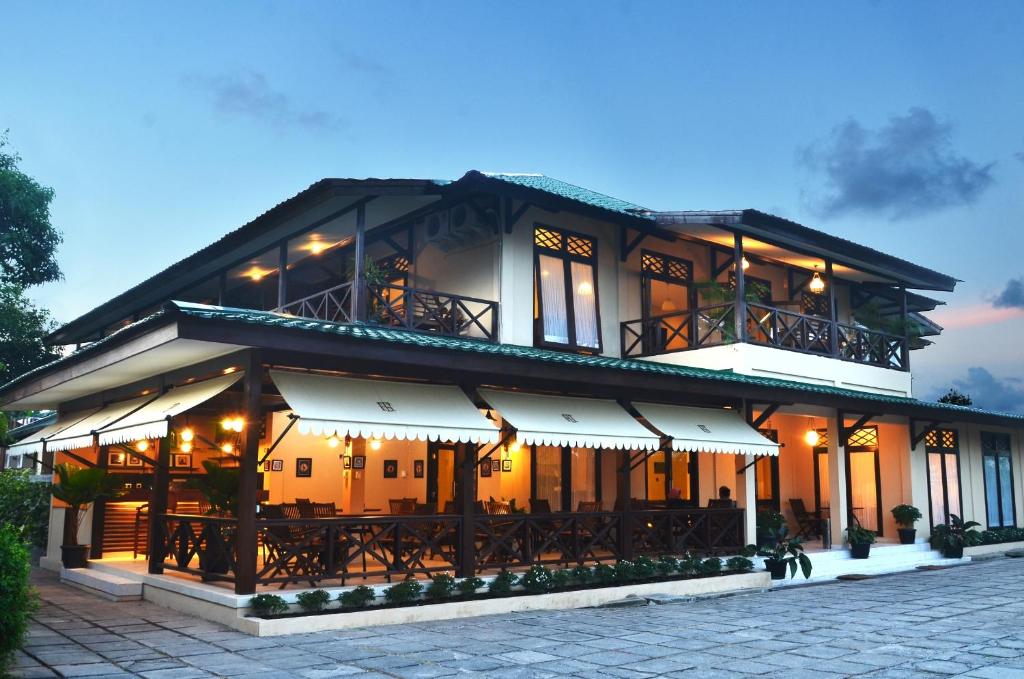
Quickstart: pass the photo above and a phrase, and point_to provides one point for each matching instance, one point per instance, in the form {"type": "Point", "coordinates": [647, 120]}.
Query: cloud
{"type": "Point", "coordinates": [247, 94]}
{"type": "Point", "coordinates": [991, 392]}
{"type": "Point", "coordinates": [907, 167]}
{"type": "Point", "coordinates": [1012, 296]}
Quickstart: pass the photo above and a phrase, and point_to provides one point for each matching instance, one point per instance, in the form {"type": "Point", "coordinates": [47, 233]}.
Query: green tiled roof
{"type": "Point", "coordinates": [572, 192]}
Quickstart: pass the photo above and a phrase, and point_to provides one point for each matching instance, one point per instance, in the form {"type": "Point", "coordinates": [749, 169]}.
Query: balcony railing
{"type": "Point", "coordinates": [765, 325]}
{"type": "Point", "coordinates": [404, 307]}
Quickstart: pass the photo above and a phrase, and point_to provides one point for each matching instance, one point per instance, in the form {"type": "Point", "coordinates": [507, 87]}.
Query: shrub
{"type": "Point", "coordinates": [644, 567]}
{"type": "Point", "coordinates": [711, 566]}
{"type": "Point", "coordinates": [469, 586]}
{"type": "Point", "coordinates": [625, 571]}
{"type": "Point", "coordinates": [667, 565]}
{"type": "Point", "coordinates": [17, 600]}
{"type": "Point", "coordinates": [604, 574]}
{"type": "Point", "coordinates": [502, 583]}
{"type": "Point", "coordinates": [268, 604]}
{"type": "Point", "coordinates": [441, 586]}
{"type": "Point", "coordinates": [740, 564]}
{"type": "Point", "coordinates": [561, 578]}
{"type": "Point", "coordinates": [25, 505]}
{"type": "Point", "coordinates": [690, 565]}
{"type": "Point", "coordinates": [906, 515]}
{"type": "Point", "coordinates": [537, 580]}
{"type": "Point", "coordinates": [582, 574]}
{"type": "Point", "coordinates": [404, 592]}
{"type": "Point", "coordinates": [314, 601]}
{"type": "Point", "coordinates": [358, 597]}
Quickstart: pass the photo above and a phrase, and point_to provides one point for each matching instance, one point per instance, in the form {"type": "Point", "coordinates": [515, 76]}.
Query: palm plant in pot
{"type": "Point", "coordinates": [906, 516]}
{"type": "Point", "coordinates": [783, 554]}
{"type": "Point", "coordinates": [951, 538]}
{"type": "Point", "coordinates": [860, 539]}
{"type": "Point", "coordinates": [219, 485]}
{"type": "Point", "coordinates": [79, 487]}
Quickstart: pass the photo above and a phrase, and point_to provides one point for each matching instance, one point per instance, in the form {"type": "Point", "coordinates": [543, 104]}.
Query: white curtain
{"type": "Point", "coordinates": [935, 479]}
{"type": "Point", "coordinates": [584, 480]}
{"type": "Point", "coordinates": [862, 486]}
{"type": "Point", "coordinates": [953, 484]}
{"type": "Point", "coordinates": [549, 476]}
{"type": "Point", "coordinates": [552, 293]}
{"type": "Point", "coordinates": [584, 304]}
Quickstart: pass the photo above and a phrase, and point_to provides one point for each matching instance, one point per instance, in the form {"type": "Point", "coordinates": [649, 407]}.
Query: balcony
{"type": "Point", "coordinates": [399, 306]}
{"type": "Point", "coordinates": [765, 325]}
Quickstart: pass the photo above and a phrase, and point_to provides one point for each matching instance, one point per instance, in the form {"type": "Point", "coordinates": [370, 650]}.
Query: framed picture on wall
{"type": "Point", "coordinates": [266, 466]}
{"type": "Point", "coordinates": [346, 462]}
{"type": "Point", "coordinates": [133, 461]}
{"type": "Point", "coordinates": [115, 459]}
{"type": "Point", "coordinates": [506, 465]}
{"type": "Point", "coordinates": [182, 461]}
{"type": "Point", "coordinates": [303, 467]}
{"type": "Point", "coordinates": [495, 465]}
{"type": "Point", "coordinates": [358, 461]}
{"type": "Point", "coordinates": [390, 469]}
{"type": "Point", "coordinates": [277, 465]}
{"type": "Point", "coordinates": [417, 469]}
{"type": "Point", "coordinates": [485, 469]}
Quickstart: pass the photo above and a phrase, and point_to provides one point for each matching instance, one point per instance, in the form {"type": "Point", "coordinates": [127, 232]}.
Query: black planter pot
{"type": "Point", "coordinates": [860, 550]}
{"type": "Point", "coordinates": [777, 569]}
{"type": "Point", "coordinates": [907, 535]}
{"type": "Point", "coordinates": [74, 556]}
{"type": "Point", "coordinates": [951, 552]}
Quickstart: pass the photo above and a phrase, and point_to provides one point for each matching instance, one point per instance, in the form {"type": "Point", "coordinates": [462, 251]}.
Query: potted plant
{"type": "Point", "coordinates": [769, 523]}
{"type": "Point", "coordinates": [860, 539]}
{"type": "Point", "coordinates": [79, 487]}
{"type": "Point", "coordinates": [219, 485]}
{"type": "Point", "coordinates": [905, 516]}
{"type": "Point", "coordinates": [783, 554]}
{"type": "Point", "coordinates": [951, 538]}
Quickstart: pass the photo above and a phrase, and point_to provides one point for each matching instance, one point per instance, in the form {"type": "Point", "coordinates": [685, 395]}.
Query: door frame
{"type": "Point", "coordinates": [873, 450]}
{"type": "Point", "coordinates": [433, 450]}
{"type": "Point", "coordinates": [942, 451]}
{"type": "Point", "coordinates": [985, 436]}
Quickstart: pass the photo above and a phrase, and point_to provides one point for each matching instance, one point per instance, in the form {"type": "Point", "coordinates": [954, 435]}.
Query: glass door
{"type": "Point", "coordinates": [441, 475]}
{"type": "Point", "coordinates": [998, 470]}
{"type": "Point", "coordinates": [665, 287]}
{"type": "Point", "coordinates": [863, 480]}
{"type": "Point", "coordinates": [943, 450]}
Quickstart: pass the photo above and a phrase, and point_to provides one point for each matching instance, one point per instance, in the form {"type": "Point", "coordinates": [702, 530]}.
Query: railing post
{"type": "Point", "coordinates": [494, 322]}
{"type": "Point", "coordinates": [740, 312]}
{"type": "Point", "coordinates": [358, 284]}
{"type": "Point", "coordinates": [245, 532]}
{"type": "Point", "coordinates": [466, 496]}
{"type": "Point", "coordinates": [905, 334]}
{"type": "Point", "coordinates": [626, 497]}
{"type": "Point", "coordinates": [158, 505]}
{"type": "Point", "coordinates": [832, 315]}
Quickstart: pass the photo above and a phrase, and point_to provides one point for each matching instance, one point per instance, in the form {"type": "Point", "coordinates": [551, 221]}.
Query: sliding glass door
{"type": "Point", "coordinates": [943, 449]}
{"type": "Point", "coordinates": [998, 470]}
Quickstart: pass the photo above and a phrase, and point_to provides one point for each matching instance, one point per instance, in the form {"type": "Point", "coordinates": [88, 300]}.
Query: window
{"type": "Point", "coordinates": [998, 469]}
{"type": "Point", "coordinates": [943, 450]}
{"type": "Point", "coordinates": [863, 481]}
{"type": "Point", "coordinates": [565, 291]}
{"type": "Point", "coordinates": [766, 476]}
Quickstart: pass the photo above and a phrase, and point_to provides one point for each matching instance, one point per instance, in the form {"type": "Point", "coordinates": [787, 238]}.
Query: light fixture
{"type": "Point", "coordinates": [142, 445]}
{"type": "Point", "coordinates": [227, 448]}
{"type": "Point", "coordinates": [817, 285]}
{"type": "Point", "coordinates": [746, 264]}
{"type": "Point", "coordinates": [236, 424]}
{"type": "Point", "coordinates": [515, 447]}
{"type": "Point", "coordinates": [316, 247]}
{"type": "Point", "coordinates": [229, 370]}
{"type": "Point", "coordinates": [333, 442]}
{"type": "Point", "coordinates": [812, 437]}
{"type": "Point", "coordinates": [256, 275]}
{"type": "Point", "coordinates": [185, 447]}
{"type": "Point", "coordinates": [374, 444]}
{"type": "Point", "coordinates": [187, 434]}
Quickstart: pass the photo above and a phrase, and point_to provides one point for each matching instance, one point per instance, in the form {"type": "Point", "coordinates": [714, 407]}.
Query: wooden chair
{"type": "Point", "coordinates": [402, 505]}
{"type": "Point", "coordinates": [323, 510]}
{"type": "Point", "coordinates": [588, 506]}
{"type": "Point", "coordinates": [499, 508]}
{"type": "Point", "coordinates": [302, 500]}
{"type": "Point", "coordinates": [808, 524]}
{"type": "Point", "coordinates": [539, 506]}
{"type": "Point", "coordinates": [719, 503]}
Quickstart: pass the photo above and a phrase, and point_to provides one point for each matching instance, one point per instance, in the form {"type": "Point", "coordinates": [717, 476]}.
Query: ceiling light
{"type": "Point", "coordinates": [816, 285]}
{"type": "Point", "coordinates": [187, 434]}
{"type": "Point", "coordinates": [142, 446]}
{"type": "Point", "coordinates": [374, 444]}
{"type": "Point", "coordinates": [812, 437]}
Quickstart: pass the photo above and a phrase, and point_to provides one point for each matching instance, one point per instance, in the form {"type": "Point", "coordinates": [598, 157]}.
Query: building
{"type": "Point", "coordinates": [414, 376]}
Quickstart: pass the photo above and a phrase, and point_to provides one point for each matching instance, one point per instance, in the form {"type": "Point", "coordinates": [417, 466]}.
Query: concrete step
{"type": "Point", "coordinates": [883, 559]}
{"type": "Point", "coordinates": [107, 585]}
{"type": "Point", "coordinates": [118, 568]}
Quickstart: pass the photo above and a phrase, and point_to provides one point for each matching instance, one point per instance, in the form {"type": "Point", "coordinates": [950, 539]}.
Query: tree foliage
{"type": "Point", "coordinates": [24, 505]}
{"type": "Point", "coordinates": [17, 599]}
{"type": "Point", "coordinates": [956, 397]}
{"type": "Point", "coordinates": [23, 327]}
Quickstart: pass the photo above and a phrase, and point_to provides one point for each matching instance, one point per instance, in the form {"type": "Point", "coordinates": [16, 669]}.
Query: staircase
{"type": "Point", "coordinates": [885, 558]}
{"type": "Point", "coordinates": [119, 528]}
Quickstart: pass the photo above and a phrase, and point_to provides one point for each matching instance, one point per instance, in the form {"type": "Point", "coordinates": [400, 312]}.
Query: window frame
{"type": "Point", "coordinates": [567, 259]}
{"type": "Point", "coordinates": [987, 436]}
{"type": "Point", "coordinates": [942, 451]}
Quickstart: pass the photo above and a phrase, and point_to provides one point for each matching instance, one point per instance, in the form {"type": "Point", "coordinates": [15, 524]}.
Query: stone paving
{"type": "Point", "coordinates": [961, 621]}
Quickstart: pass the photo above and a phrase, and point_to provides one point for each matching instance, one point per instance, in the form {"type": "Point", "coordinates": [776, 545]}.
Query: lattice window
{"type": "Point", "coordinates": [581, 247]}
{"type": "Point", "coordinates": [666, 266]}
{"type": "Point", "coordinates": [547, 238]}
{"type": "Point", "coordinates": [867, 437]}
{"type": "Point", "coordinates": [815, 304]}
{"type": "Point", "coordinates": [678, 268]}
{"type": "Point", "coordinates": [822, 438]}
{"type": "Point", "coordinates": [652, 263]}
{"type": "Point", "coordinates": [941, 439]}
{"type": "Point", "coordinates": [758, 289]}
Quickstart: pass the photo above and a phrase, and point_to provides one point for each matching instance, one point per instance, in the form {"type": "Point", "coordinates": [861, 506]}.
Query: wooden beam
{"type": "Point", "coordinates": [917, 436]}
{"type": "Point", "coordinates": [740, 311]}
{"type": "Point", "coordinates": [626, 246]}
{"type": "Point", "coordinates": [465, 456]}
{"type": "Point", "coordinates": [512, 218]}
{"type": "Point", "coordinates": [846, 432]}
{"type": "Point", "coordinates": [158, 506]}
{"type": "Point", "coordinates": [358, 312]}
{"type": "Point", "coordinates": [245, 539]}
{"type": "Point", "coordinates": [763, 417]}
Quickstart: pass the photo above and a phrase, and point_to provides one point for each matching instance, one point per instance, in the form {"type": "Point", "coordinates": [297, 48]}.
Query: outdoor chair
{"type": "Point", "coordinates": [719, 503]}
{"type": "Point", "coordinates": [323, 510]}
{"type": "Point", "coordinates": [588, 506]}
{"type": "Point", "coordinates": [539, 506]}
{"type": "Point", "coordinates": [500, 508]}
{"type": "Point", "coordinates": [808, 524]}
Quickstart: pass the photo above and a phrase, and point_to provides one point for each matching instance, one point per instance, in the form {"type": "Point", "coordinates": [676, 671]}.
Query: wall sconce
{"type": "Point", "coordinates": [812, 437]}
{"type": "Point", "coordinates": [142, 445]}
{"type": "Point", "coordinates": [333, 441]}
{"type": "Point", "coordinates": [746, 264]}
{"type": "Point", "coordinates": [375, 444]}
{"type": "Point", "coordinates": [235, 424]}
{"type": "Point", "coordinates": [817, 285]}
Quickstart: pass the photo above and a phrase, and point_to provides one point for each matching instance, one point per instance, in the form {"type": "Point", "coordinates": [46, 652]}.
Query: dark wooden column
{"type": "Point", "coordinates": [668, 472]}
{"type": "Point", "coordinates": [566, 466]}
{"type": "Point", "coordinates": [626, 497]}
{"type": "Point", "coordinates": [282, 275]}
{"type": "Point", "coordinates": [99, 508]}
{"type": "Point", "coordinates": [598, 476]}
{"type": "Point", "coordinates": [158, 505]}
{"type": "Point", "coordinates": [533, 472]}
{"type": "Point", "coordinates": [904, 317]}
{"type": "Point", "coordinates": [358, 284]}
{"type": "Point", "coordinates": [465, 456]}
{"type": "Point", "coordinates": [833, 315]}
{"type": "Point", "coordinates": [245, 535]}
{"type": "Point", "coordinates": [740, 315]}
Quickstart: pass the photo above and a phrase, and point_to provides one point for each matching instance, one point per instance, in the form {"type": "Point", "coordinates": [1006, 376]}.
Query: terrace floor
{"type": "Point", "coordinates": [961, 621]}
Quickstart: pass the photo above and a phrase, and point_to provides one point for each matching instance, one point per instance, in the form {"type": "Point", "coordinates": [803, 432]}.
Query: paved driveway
{"type": "Point", "coordinates": [967, 620]}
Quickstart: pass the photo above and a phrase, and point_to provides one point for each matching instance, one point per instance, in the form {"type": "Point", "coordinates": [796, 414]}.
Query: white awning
{"type": "Point", "coordinates": [565, 421]}
{"type": "Point", "coordinates": [80, 434]}
{"type": "Point", "coordinates": [33, 443]}
{"type": "Point", "coordinates": [706, 430]}
{"type": "Point", "coordinates": [343, 406]}
{"type": "Point", "coordinates": [151, 420]}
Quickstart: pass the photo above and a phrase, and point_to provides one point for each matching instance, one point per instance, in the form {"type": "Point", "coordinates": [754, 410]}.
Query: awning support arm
{"type": "Point", "coordinates": [747, 466]}
{"type": "Point", "coordinates": [641, 458]}
{"type": "Point", "coordinates": [917, 436]}
{"type": "Point", "coordinates": [73, 456]}
{"type": "Point", "coordinates": [846, 432]}
{"type": "Point", "coordinates": [293, 418]}
{"type": "Point", "coordinates": [497, 446]}
{"type": "Point", "coordinates": [39, 461]}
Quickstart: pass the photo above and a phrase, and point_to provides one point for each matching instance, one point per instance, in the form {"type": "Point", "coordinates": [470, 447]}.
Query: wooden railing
{"type": "Point", "coordinates": [766, 325]}
{"type": "Point", "coordinates": [198, 545]}
{"type": "Point", "coordinates": [333, 304]}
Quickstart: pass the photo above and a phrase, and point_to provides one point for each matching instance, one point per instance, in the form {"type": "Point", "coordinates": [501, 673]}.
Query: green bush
{"type": "Point", "coordinates": [690, 565]}
{"type": "Point", "coordinates": [502, 583]}
{"type": "Point", "coordinates": [441, 586]}
{"type": "Point", "coordinates": [537, 580]}
{"type": "Point", "coordinates": [644, 567]}
{"type": "Point", "coordinates": [24, 505]}
{"type": "Point", "coordinates": [561, 578]}
{"type": "Point", "coordinates": [404, 592]}
{"type": "Point", "coordinates": [469, 586]}
{"type": "Point", "coordinates": [357, 597]}
{"type": "Point", "coordinates": [582, 574]}
{"type": "Point", "coordinates": [314, 601]}
{"type": "Point", "coordinates": [625, 571]}
{"type": "Point", "coordinates": [268, 604]}
{"type": "Point", "coordinates": [711, 566]}
{"type": "Point", "coordinates": [667, 565]}
{"type": "Point", "coordinates": [17, 600]}
{"type": "Point", "coordinates": [740, 564]}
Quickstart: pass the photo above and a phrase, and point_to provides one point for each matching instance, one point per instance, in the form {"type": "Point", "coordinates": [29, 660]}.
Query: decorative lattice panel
{"type": "Point", "coordinates": [547, 238]}
{"type": "Point", "coordinates": [652, 263]}
{"type": "Point", "coordinates": [579, 246]}
{"type": "Point", "coordinates": [866, 437]}
{"type": "Point", "coordinates": [815, 304]}
{"type": "Point", "coordinates": [945, 439]}
{"type": "Point", "coordinates": [666, 266]}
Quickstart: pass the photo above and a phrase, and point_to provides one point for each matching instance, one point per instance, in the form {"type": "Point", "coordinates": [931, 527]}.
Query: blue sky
{"type": "Point", "coordinates": [162, 126]}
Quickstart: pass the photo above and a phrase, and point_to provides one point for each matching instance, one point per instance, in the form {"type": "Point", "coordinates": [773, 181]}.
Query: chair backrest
{"type": "Point", "coordinates": [205, 507]}
{"type": "Point", "coordinates": [302, 500]}
{"type": "Point", "coordinates": [306, 510]}
{"type": "Point", "coordinates": [719, 503]}
{"type": "Point", "coordinates": [449, 507]}
{"type": "Point", "coordinates": [588, 506]}
{"type": "Point", "coordinates": [539, 506]}
{"type": "Point", "coordinates": [425, 508]}
{"type": "Point", "coordinates": [402, 505]}
{"type": "Point", "coordinates": [290, 511]}
{"type": "Point", "coordinates": [271, 512]}
{"type": "Point", "coordinates": [323, 510]}
{"type": "Point", "coordinates": [798, 507]}
{"type": "Point", "coordinates": [498, 507]}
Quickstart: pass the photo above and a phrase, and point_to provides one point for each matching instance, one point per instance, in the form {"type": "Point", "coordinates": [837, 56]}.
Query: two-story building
{"type": "Point", "coordinates": [414, 376]}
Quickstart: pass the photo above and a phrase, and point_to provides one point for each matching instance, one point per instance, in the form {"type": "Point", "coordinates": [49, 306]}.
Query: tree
{"type": "Point", "coordinates": [23, 327]}
{"type": "Point", "coordinates": [956, 397]}
{"type": "Point", "coordinates": [28, 242]}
